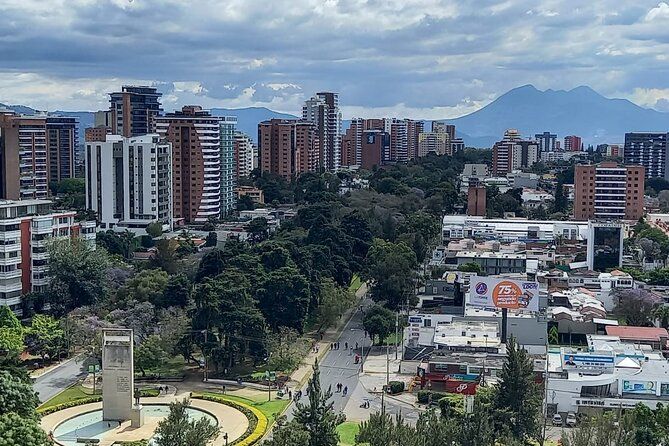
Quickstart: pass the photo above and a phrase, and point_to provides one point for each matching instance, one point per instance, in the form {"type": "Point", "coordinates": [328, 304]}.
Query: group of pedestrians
{"type": "Point", "coordinates": [342, 388]}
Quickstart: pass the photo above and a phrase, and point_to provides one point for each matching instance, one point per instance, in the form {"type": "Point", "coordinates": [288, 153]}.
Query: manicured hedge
{"type": "Point", "coordinates": [79, 402]}
{"type": "Point", "coordinates": [396, 387]}
{"type": "Point", "coordinates": [92, 399]}
{"type": "Point", "coordinates": [424, 396]}
{"type": "Point", "coordinates": [257, 420]}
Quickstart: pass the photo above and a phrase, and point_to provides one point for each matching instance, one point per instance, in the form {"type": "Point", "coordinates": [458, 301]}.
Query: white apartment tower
{"type": "Point", "coordinates": [245, 155]}
{"type": "Point", "coordinates": [129, 181]}
{"type": "Point", "coordinates": [323, 111]}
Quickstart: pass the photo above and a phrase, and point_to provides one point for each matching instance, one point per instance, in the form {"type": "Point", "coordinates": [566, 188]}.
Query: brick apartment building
{"type": "Point", "coordinates": [608, 191]}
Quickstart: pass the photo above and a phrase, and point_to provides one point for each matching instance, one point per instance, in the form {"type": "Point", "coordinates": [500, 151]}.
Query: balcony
{"type": "Point", "coordinates": [11, 301]}
{"type": "Point", "coordinates": [40, 269]}
{"type": "Point", "coordinates": [40, 255]}
{"type": "Point", "coordinates": [14, 274]}
{"type": "Point", "coordinates": [10, 286]}
{"type": "Point", "coordinates": [40, 282]}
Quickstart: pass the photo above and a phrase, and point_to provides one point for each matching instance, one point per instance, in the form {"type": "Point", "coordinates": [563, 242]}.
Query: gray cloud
{"type": "Point", "coordinates": [408, 54]}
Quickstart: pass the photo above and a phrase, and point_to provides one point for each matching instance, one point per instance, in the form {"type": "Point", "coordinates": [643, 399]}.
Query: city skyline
{"type": "Point", "coordinates": [424, 59]}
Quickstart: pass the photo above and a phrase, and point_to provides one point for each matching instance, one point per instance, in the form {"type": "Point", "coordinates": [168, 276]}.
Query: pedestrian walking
{"type": "Point", "coordinates": [332, 346]}
{"type": "Point", "coordinates": [356, 345]}
{"type": "Point", "coordinates": [346, 345]}
{"type": "Point", "coordinates": [345, 391]}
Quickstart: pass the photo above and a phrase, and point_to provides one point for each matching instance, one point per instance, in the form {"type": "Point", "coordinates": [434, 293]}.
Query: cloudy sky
{"type": "Point", "coordinates": [415, 58]}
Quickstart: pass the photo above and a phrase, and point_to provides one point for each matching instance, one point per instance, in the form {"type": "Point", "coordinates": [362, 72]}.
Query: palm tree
{"type": "Point", "coordinates": [661, 313]}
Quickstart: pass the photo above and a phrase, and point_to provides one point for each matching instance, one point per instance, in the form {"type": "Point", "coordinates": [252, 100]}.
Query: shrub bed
{"type": "Point", "coordinates": [257, 420]}
{"type": "Point", "coordinates": [51, 409]}
{"type": "Point", "coordinates": [92, 399]}
{"type": "Point", "coordinates": [424, 396]}
{"type": "Point", "coordinates": [395, 387]}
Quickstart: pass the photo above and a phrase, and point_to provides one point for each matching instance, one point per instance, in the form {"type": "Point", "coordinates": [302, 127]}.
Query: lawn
{"type": "Point", "coordinates": [355, 283]}
{"type": "Point", "coordinates": [390, 340]}
{"type": "Point", "coordinates": [174, 366]}
{"type": "Point", "coordinates": [269, 408]}
{"type": "Point", "coordinates": [347, 432]}
{"type": "Point", "coordinates": [76, 392]}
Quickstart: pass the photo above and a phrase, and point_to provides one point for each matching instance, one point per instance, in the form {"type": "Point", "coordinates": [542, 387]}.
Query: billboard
{"type": "Point", "coordinates": [504, 293]}
{"type": "Point", "coordinates": [575, 361]}
{"type": "Point", "coordinates": [639, 387]}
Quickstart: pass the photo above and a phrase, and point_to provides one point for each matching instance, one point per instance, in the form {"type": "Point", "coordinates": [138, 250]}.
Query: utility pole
{"type": "Point", "coordinates": [397, 323]}
{"type": "Point", "coordinates": [387, 364]}
{"type": "Point", "coordinates": [362, 354]}
{"type": "Point", "coordinates": [206, 363]}
{"type": "Point", "coordinates": [543, 436]}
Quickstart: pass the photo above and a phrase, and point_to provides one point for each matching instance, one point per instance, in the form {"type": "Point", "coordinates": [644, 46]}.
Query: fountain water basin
{"type": "Point", "coordinates": [90, 425]}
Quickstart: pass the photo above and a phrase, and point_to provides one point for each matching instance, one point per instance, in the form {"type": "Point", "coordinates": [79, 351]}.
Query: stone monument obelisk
{"type": "Point", "coordinates": [118, 383]}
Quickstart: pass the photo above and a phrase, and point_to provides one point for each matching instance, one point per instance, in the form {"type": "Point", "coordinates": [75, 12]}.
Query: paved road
{"type": "Point", "coordinates": [338, 366]}
{"type": "Point", "coordinates": [59, 379]}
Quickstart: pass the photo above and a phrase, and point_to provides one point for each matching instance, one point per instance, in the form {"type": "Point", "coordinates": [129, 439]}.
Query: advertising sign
{"type": "Point", "coordinates": [504, 293]}
{"type": "Point", "coordinates": [639, 387]}
{"type": "Point", "coordinates": [574, 361]}
{"type": "Point", "coordinates": [464, 388]}
{"type": "Point", "coordinates": [664, 389]}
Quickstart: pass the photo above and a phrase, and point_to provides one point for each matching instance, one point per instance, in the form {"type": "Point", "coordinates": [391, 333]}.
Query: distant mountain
{"type": "Point", "coordinates": [581, 111]}
{"type": "Point", "coordinates": [248, 118]}
{"type": "Point", "coordinates": [22, 109]}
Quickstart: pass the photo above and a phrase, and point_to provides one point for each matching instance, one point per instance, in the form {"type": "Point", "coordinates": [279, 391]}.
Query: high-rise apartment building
{"type": "Point", "coordinates": [648, 150]}
{"type": "Point", "coordinates": [414, 129]}
{"type": "Point", "coordinates": [26, 226]}
{"type": "Point", "coordinates": [442, 127]}
{"type": "Point", "coordinates": [245, 155]}
{"type": "Point", "coordinates": [374, 144]}
{"type": "Point", "coordinates": [513, 153]}
{"type": "Point", "coordinates": [102, 118]}
{"type": "Point", "coordinates": [62, 142]}
{"type": "Point", "coordinates": [547, 142]}
{"type": "Point", "coordinates": [228, 165]}
{"type": "Point", "coordinates": [129, 181]}
{"type": "Point", "coordinates": [96, 133]}
{"type": "Point", "coordinates": [476, 200]}
{"type": "Point", "coordinates": [438, 143]}
{"type": "Point", "coordinates": [322, 110]}
{"type": "Point", "coordinates": [288, 147]}
{"type": "Point", "coordinates": [24, 157]}
{"type": "Point", "coordinates": [572, 143]}
{"type": "Point", "coordinates": [608, 191]}
{"type": "Point", "coordinates": [133, 110]}
{"type": "Point", "coordinates": [195, 136]}
{"type": "Point", "coordinates": [457, 145]}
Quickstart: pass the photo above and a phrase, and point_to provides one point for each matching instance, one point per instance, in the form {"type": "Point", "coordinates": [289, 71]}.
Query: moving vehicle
{"type": "Point", "coordinates": [571, 419]}
{"type": "Point", "coordinates": [557, 420]}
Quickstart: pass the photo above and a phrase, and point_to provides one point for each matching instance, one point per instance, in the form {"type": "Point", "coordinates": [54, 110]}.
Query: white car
{"type": "Point", "coordinates": [557, 420]}
{"type": "Point", "coordinates": [571, 419]}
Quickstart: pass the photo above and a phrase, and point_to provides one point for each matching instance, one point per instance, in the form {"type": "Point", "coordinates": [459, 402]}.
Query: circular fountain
{"type": "Point", "coordinates": [90, 425]}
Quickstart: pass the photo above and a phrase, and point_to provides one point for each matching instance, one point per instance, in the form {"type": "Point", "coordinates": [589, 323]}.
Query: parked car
{"type": "Point", "coordinates": [557, 420]}
{"type": "Point", "coordinates": [571, 419]}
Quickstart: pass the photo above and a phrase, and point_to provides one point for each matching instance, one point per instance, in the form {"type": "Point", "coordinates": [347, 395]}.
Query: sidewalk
{"type": "Point", "coordinates": [44, 370]}
{"type": "Point", "coordinates": [300, 376]}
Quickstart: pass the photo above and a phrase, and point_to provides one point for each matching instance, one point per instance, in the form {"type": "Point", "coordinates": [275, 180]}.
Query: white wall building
{"type": "Point", "coordinates": [129, 182]}
{"type": "Point", "coordinates": [456, 227]}
{"type": "Point", "coordinates": [26, 226]}
{"type": "Point", "coordinates": [606, 375]}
